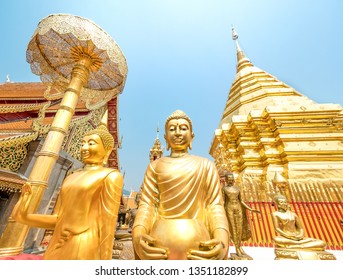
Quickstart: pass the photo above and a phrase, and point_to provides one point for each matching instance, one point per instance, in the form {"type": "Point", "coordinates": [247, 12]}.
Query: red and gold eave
{"type": "Point", "coordinates": [20, 103]}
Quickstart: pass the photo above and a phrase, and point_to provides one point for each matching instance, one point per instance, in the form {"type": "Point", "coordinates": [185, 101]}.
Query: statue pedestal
{"type": "Point", "coordinates": [292, 254]}
{"type": "Point", "coordinates": [122, 247]}
{"type": "Point", "coordinates": [234, 256]}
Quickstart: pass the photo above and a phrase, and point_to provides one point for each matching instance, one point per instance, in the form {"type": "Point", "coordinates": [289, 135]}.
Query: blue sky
{"type": "Point", "coordinates": [180, 55]}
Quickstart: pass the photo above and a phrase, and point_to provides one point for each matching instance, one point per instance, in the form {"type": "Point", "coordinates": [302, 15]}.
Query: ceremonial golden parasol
{"type": "Point", "coordinates": [77, 58]}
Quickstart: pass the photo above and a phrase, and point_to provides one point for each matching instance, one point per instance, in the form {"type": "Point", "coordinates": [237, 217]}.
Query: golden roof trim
{"type": "Point", "coordinates": [20, 139]}
{"type": "Point", "coordinates": [15, 108]}
{"type": "Point", "coordinates": [11, 182]}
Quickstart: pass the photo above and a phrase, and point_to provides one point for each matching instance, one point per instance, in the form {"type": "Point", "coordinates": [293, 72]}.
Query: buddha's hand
{"type": "Point", "coordinates": [23, 203]}
{"type": "Point", "coordinates": [297, 237]}
{"type": "Point", "coordinates": [291, 235]}
{"type": "Point", "coordinates": [148, 250]}
{"type": "Point", "coordinates": [208, 250]}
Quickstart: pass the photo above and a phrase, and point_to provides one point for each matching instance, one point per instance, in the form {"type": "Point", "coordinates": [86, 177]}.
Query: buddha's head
{"type": "Point", "coordinates": [178, 131]}
{"type": "Point", "coordinates": [281, 201]}
{"type": "Point", "coordinates": [229, 178]}
{"type": "Point", "coordinates": [97, 145]}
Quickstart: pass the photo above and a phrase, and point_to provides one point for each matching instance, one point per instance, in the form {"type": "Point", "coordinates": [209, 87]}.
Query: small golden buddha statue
{"type": "Point", "coordinates": [290, 230]}
{"type": "Point", "coordinates": [181, 213]}
{"type": "Point", "coordinates": [237, 217]}
{"type": "Point", "coordinates": [290, 241]}
{"type": "Point", "coordinates": [86, 211]}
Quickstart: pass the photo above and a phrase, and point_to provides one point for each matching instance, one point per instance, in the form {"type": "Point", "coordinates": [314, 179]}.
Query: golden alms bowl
{"type": "Point", "coordinates": [179, 236]}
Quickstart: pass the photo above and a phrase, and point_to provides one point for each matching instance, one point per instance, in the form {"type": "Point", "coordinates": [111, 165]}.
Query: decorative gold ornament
{"type": "Point", "coordinates": [60, 42]}
{"type": "Point", "coordinates": [13, 151]}
{"type": "Point", "coordinates": [10, 108]}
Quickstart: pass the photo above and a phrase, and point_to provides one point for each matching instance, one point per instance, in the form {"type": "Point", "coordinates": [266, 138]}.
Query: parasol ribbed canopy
{"type": "Point", "coordinates": [60, 41]}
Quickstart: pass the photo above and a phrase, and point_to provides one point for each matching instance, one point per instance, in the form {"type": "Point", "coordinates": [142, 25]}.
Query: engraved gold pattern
{"type": "Point", "coordinates": [60, 41]}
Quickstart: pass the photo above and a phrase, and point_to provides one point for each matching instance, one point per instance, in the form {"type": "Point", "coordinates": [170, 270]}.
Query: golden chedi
{"type": "Point", "coordinates": [268, 126]}
{"type": "Point", "coordinates": [181, 213]}
{"type": "Point", "coordinates": [87, 209]}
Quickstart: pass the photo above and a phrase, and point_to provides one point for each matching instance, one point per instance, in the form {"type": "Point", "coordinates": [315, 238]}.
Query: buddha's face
{"type": "Point", "coordinates": [282, 204]}
{"type": "Point", "coordinates": [92, 149]}
{"type": "Point", "coordinates": [229, 179]}
{"type": "Point", "coordinates": [178, 134]}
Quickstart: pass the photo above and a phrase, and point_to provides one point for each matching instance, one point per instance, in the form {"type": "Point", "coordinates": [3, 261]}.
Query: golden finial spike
{"type": "Point", "coordinates": [235, 38]}
{"type": "Point", "coordinates": [278, 178]}
{"type": "Point", "coordinates": [234, 34]}
{"type": "Point", "coordinates": [104, 119]}
{"type": "Point", "coordinates": [242, 60]}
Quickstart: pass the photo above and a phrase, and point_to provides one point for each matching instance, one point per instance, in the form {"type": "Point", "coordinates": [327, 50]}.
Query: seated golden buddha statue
{"type": "Point", "coordinates": [291, 233]}
{"type": "Point", "coordinates": [86, 212]}
{"type": "Point", "coordinates": [236, 209]}
{"type": "Point", "coordinates": [181, 213]}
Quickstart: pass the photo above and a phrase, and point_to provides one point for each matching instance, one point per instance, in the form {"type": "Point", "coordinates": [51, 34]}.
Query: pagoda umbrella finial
{"type": "Point", "coordinates": [234, 34]}
{"type": "Point", "coordinates": [242, 60]}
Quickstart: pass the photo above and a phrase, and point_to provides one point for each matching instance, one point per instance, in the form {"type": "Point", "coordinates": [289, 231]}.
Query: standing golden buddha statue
{"type": "Point", "coordinates": [86, 212]}
{"type": "Point", "coordinates": [236, 209]}
{"type": "Point", "coordinates": [181, 213]}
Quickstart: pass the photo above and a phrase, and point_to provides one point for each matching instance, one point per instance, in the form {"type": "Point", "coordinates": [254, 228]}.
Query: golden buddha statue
{"type": "Point", "coordinates": [181, 213]}
{"type": "Point", "coordinates": [86, 212]}
{"type": "Point", "coordinates": [291, 233]}
{"type": "Point", "coordinates": [237, 217]}
{"type": "Point", "coordinates": [290, 241]}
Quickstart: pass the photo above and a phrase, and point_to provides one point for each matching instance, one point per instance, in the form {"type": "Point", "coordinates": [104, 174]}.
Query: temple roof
{"type": "Point", "coordinates": [22, 91]}
{"type": "Point", "coordinates": [27, 113]}
{"type": "Point", "coordinates": [255, 89]}
{"type": "Point", "coordinates": [11, 181]}
{"type": "Point", "coordinates": [25, 96]}
{"type": "Point", "coordinates": [21, 104]}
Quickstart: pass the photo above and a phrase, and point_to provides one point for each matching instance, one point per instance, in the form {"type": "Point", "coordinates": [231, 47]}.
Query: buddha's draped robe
{"type": "Point", "coordinates": [236, 213]}
{"type": "Point", "coordinates": [87, 214]}
{"type": "Point", "coordinates": [182, 188]}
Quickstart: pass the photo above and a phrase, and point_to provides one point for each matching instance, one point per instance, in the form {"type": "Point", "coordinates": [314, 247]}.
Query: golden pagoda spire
{"type": "Point", "coordinates": [255, 89]}
{"type": "Point", "coordinates": [279, 179]}
{"type": "Point", "coordinates": [156, 151]}
{"type": "Point", "coordinates": [280, 141]}
{"type": "Point", "coordinates": [242, 60]}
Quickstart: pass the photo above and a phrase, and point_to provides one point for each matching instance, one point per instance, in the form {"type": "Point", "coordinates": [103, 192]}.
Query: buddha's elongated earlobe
{"type": "Point", "coordinates": [106, 157]}
{"type": "Point", "coordinates": [168, 147]}
{"type": "Point", "coordinates": [190, 143]}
